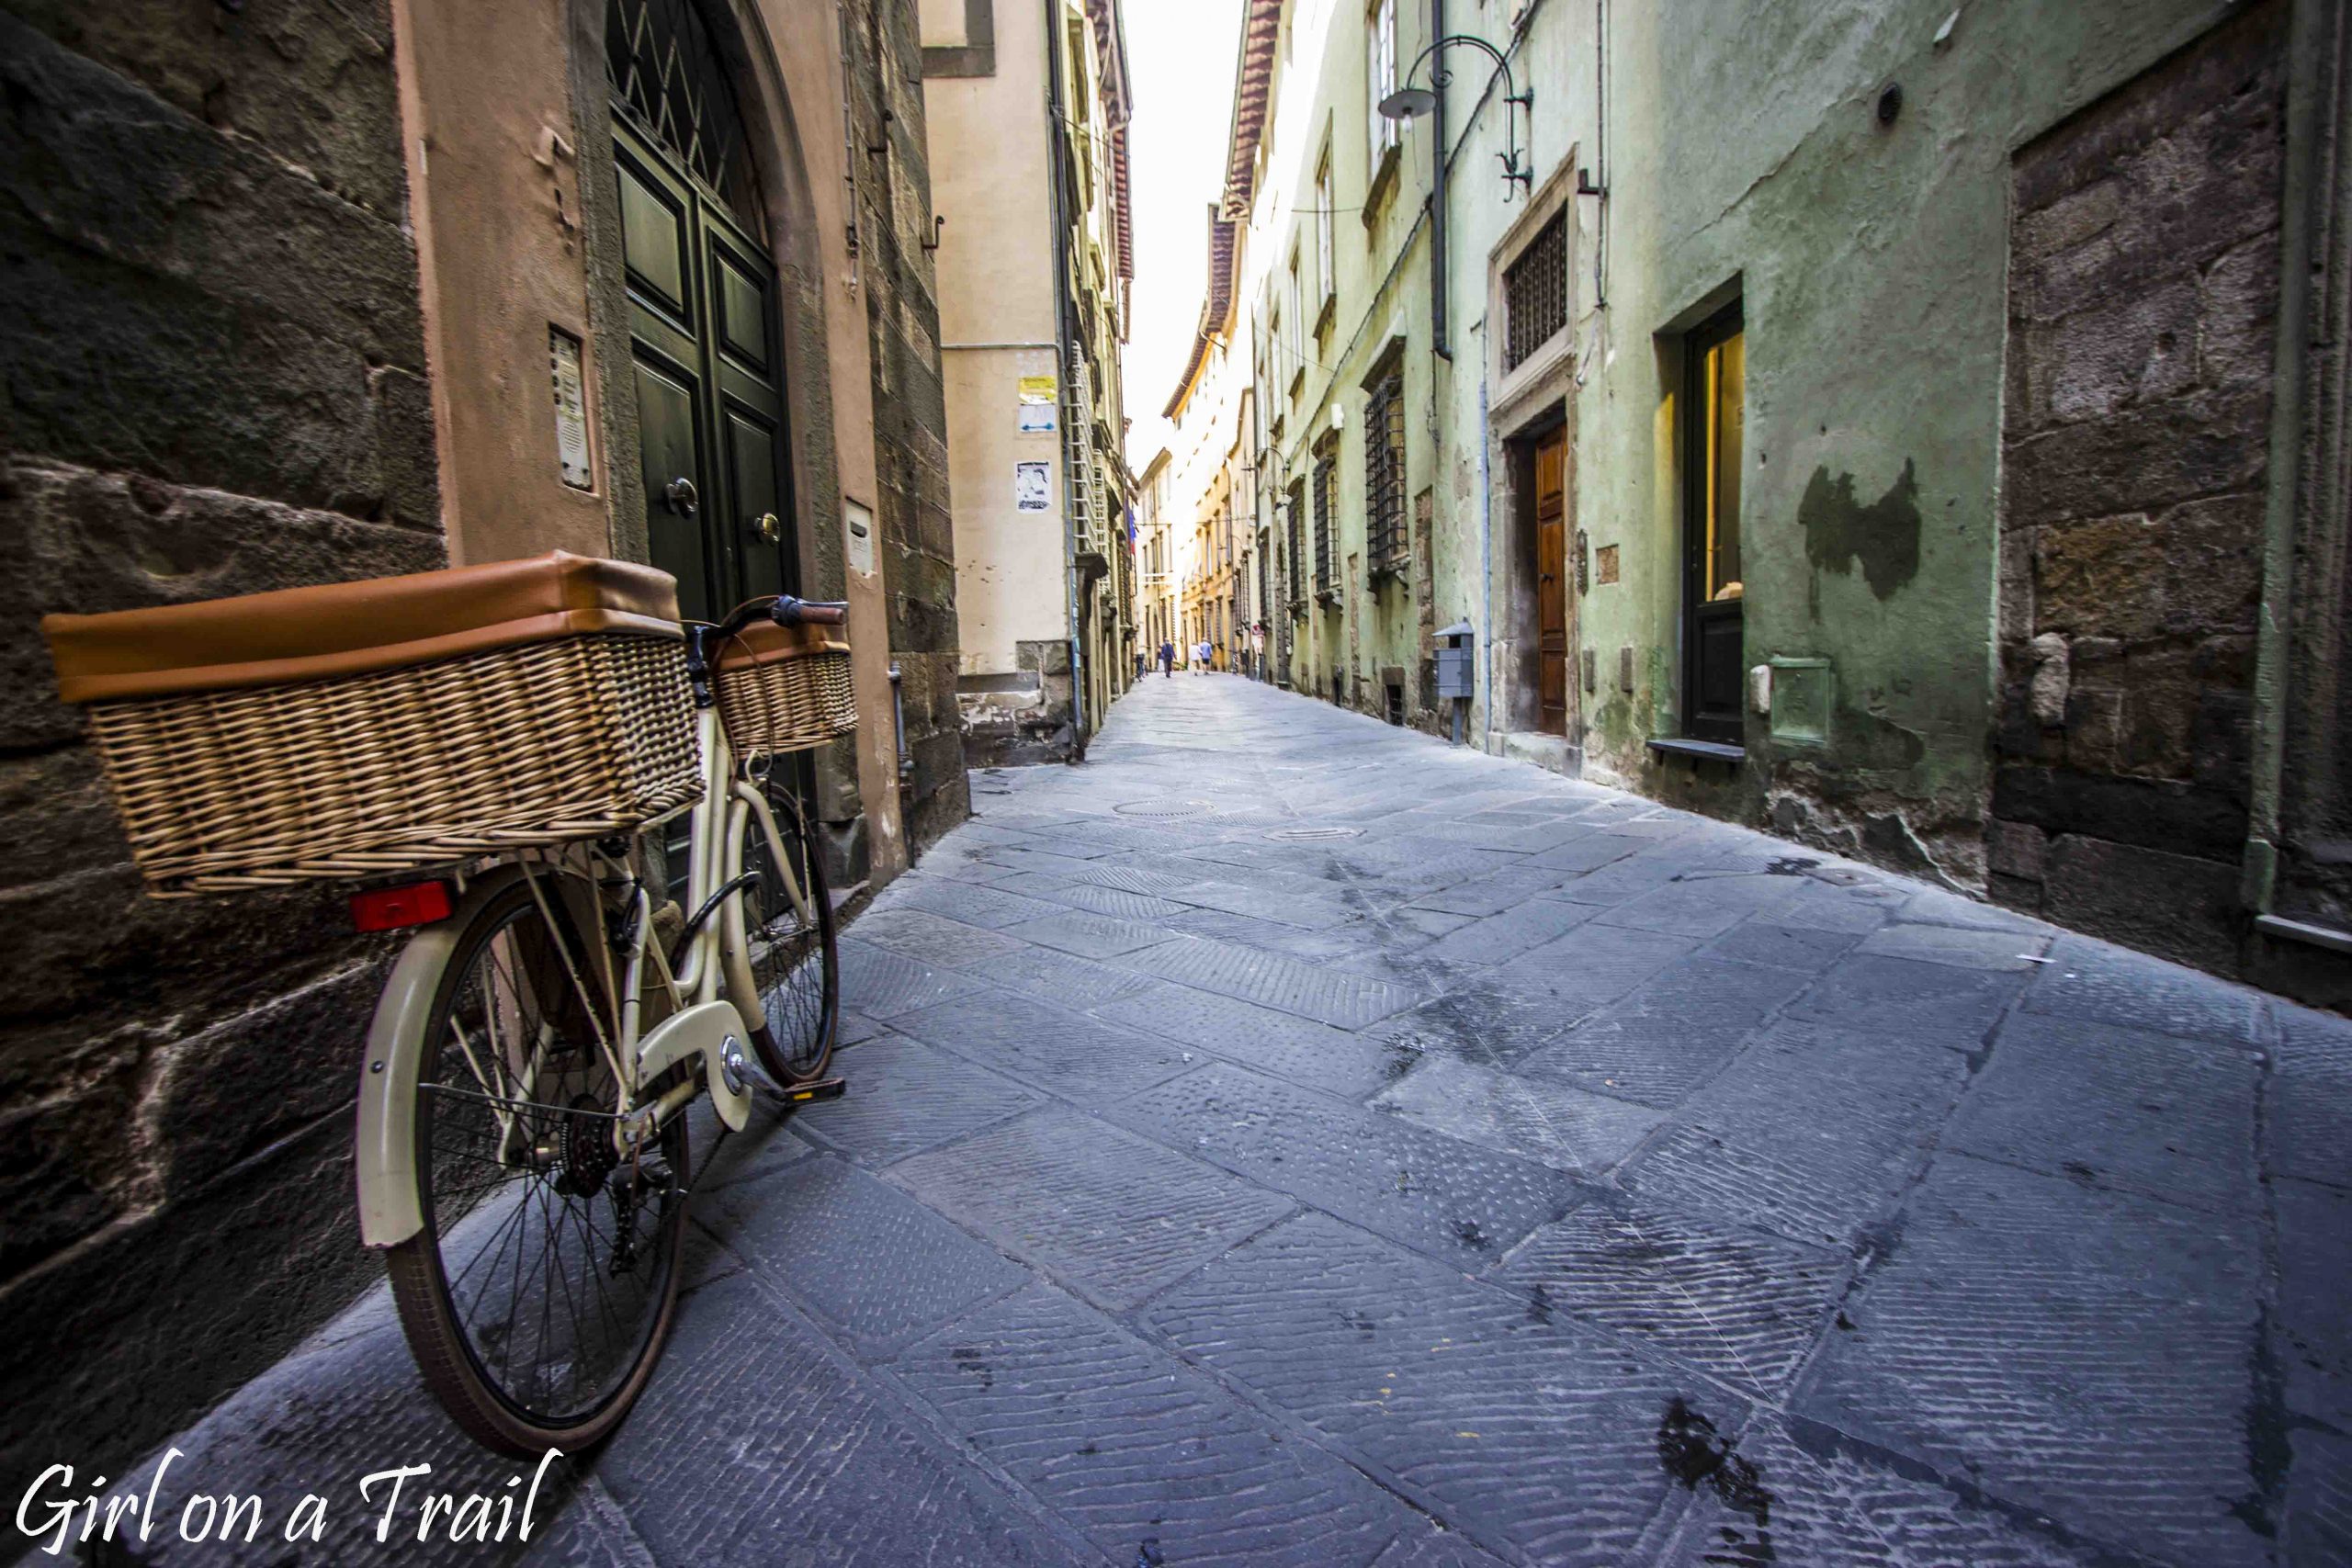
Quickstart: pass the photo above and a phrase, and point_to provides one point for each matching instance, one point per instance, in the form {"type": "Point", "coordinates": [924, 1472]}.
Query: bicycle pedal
{"type": "Point", "coordinates": [815, 1089]}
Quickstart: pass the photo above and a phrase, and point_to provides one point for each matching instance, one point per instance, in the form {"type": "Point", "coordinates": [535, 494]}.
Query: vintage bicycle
{"type": "Point", "coordinates": [530, 734]}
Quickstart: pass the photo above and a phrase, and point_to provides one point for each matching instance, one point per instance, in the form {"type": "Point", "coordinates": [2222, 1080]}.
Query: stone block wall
{"type": "Point", "coordinates": [2143, 301]}
{"type": "Point", "coordinates": [211, 383]}
{"type": "Point", "coordinates": [918, 541]}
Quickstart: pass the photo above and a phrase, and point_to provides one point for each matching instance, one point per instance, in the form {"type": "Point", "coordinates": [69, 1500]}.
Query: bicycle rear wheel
{"type": "Point", "coordinates": [795, 968]}
{"type": "Point", "coordinates": [537, 1296]}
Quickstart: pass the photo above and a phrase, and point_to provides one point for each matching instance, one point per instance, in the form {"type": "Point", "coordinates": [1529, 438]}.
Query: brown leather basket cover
{"type": "Point", "coordinates": [350, 628]}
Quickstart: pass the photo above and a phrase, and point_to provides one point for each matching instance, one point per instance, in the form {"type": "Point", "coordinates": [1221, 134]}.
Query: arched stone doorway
{"type": "Point", "coordinates": [705, 343]}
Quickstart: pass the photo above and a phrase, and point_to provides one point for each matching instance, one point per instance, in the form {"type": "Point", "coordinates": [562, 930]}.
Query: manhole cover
{"type": "Point", "coordinates": [1308, 835]}
{"type": "Point", "coordinates": [1163, 809]}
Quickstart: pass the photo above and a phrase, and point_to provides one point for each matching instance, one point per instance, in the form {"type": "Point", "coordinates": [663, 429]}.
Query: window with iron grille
{"type": "Point", "coordinates": [1384, 473]}
{"type": "Point", "coordinates": [1327, 483]}
{"type": "Point", "coordinates": [1536, 292]}
{"type": "Point", "coordinates": [665, 69]}
{"type": "Point", "coordinates": [1295, 510]}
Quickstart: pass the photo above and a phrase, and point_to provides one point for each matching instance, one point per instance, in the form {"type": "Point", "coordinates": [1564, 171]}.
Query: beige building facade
{"type": "Point", "coordinates": [1028, 106]}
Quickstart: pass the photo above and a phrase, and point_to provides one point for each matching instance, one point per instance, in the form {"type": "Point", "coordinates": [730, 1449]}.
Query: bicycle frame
{"type": "Point", "coordinates": [709, 992]}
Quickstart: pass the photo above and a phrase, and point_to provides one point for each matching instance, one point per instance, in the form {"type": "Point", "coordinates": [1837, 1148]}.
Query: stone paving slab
{"type": "Point", "coordinates": [1549, 1124]}
{"type": "Point", "coordinates": [1777, 945]}
{"type": "Point", "coordinates": [1667, 1039]}
{"type": "Point", "coordinates": [1535, 1436]}
{"type": "Point", "coordinates": [1450, 1199]}
{"type": "Point", "coordinates": [2106, 985]}
{"type": "Point", "coordinates": [2119, 1107]}
{"type": "Point", "coordinates": [1342, 1001]}
{"type": "Point", "coordinates": [1151, 1459]}
{"type": "Point", "coordinates": [905, 1097]}
{"type": "Point", "coordinates": [1797, 1491]}
{"type": "Point", "coordinates": [1813, 1132]}
{"type": "Point", "coordinates": [1903, 997]}
{"type": "Point", "coordinates": [811, 1464]}
{"type": "Point", "coordinates": [1064, 1053]}
{"type": "Point", "coordinates": [2085, 1352]}
{"type": "Point", "coordinates": [1333, 1060]}
{"type": "Point", "coordinates": [1742, 1306]}
{"type": "Point", "coordinates": [1114, 1213]}
{"type": "Point", "coordinates": [1064, 979]}
{"type": "Point", "coordinates": [881, 983]}
{"type": "Point", "coordinates": [877, 1266]}
{"type": "Point", "coordinates": [1436, 1194]}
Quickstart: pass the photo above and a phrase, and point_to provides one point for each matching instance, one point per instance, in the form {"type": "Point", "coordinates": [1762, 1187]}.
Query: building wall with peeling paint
{"type": "Point", "coordinates": [1869, 257]}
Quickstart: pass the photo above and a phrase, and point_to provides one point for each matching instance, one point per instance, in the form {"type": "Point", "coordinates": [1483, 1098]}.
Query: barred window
{"type": "Point", "coordinates": [1536, 292]}
{"type": "Point", "coordinates": [1294, 514]}
{"type": "Point", "coordinates": [1384, 473]}
{"type": "Point", "coordinates": [1326, 502]}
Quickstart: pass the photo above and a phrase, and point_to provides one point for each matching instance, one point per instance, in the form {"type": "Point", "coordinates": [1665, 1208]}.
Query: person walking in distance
{"type": "Point", "coordinates": [1167, 659]}
{"type": "Point", "coordinates": [1201, 655]}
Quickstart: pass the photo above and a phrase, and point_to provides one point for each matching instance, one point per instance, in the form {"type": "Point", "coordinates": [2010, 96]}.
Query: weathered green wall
{"type": "Point", "coordinates": [1872, 261]}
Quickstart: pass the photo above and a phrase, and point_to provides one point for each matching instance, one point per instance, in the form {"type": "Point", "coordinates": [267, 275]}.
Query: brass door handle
{"type": "Point", "coordinates": [771, 529]}
{"type": "Point", "coordinates": [681, 497]}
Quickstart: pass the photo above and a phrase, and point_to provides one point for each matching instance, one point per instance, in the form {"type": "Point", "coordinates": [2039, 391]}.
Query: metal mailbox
{"type": "Point", "coordinates": [1456, 661]}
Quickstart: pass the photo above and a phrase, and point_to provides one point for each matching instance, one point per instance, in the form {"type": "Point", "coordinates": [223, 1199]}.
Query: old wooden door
{"type": "Point", "coordinates": [705, 347]}
{"type": "Point", "coordinates": [1552, 578]}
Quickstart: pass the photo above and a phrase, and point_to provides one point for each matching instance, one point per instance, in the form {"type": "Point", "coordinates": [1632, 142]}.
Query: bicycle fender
{"type": "Point", "coordinates": [706, 1030]}
{"type": "Point", "coordinates": [385, 1152]}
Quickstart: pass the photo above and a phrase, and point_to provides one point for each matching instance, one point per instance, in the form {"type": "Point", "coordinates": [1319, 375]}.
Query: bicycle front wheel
{"type": "Point", "coordinates": [538, 1294]}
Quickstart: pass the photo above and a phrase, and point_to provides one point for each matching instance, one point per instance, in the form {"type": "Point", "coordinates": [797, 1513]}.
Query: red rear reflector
{"type": "Point", "coordinates": [396, 909]}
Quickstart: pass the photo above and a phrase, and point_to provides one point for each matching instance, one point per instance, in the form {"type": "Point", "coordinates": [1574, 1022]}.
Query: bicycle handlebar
{"type": "Point", "coordinates": [791, 612]}
{"type": "Point", "coordinates": [785, 611]}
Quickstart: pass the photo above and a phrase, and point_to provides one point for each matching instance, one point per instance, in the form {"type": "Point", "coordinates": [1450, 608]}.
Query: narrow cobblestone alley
{"type": "Point", "coordinates": [1286, 1138]}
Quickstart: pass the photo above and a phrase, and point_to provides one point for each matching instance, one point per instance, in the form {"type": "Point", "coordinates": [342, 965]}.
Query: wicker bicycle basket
{"type": "Point", "coordinates": [783, 689]}
{"type": "Point", "coordinates": [237, 772]}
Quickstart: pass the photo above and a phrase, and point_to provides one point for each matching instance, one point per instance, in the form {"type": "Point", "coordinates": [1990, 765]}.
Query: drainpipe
{"type": "Point", "coordinates": [1054, 132]}
{"type": "Point", "coordinates": [1486, 561]}
{"type": "Point", "coordinates": [2303, 200]}
{"type": "Point", "coordinates": [2305, 215]}
{"type": "Point", "coordinates": [1438, 328]}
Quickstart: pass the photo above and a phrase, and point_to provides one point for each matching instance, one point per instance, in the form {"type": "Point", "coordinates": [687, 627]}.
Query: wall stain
{"type": "Point", "coordinates": [1884, 536]}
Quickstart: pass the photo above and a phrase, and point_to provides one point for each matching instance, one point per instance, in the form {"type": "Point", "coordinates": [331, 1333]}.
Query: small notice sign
{"type": "Point", "coordinates": [1036, 405]}
{"type": "Point", "coordinates": [861, 537]}
{"type": "Point", "coordinates": [1032, 486]}
{"type": "Point", "coordinates": [571, 410]}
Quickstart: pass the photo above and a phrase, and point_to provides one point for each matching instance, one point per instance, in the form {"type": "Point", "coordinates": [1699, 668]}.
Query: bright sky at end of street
{"type": "Point", "coordinates": [1181, 53]}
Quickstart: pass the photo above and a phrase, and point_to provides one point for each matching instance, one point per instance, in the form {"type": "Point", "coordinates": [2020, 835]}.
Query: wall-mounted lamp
{"type": "Point", "coordinates": [937, 223]}
{"type": "Point", "coordinates": [1409, 102]}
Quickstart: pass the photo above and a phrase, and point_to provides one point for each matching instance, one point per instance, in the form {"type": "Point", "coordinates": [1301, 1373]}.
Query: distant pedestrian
{"type": "Point", "coordinates": [1202, 655]}
{"type": "Point", "coordinates": [1167, 659]}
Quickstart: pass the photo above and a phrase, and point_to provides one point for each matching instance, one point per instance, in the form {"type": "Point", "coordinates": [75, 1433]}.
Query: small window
{"type": "Point", "coordinates": [1383, 468]}
{"type": "Point", "coordinates": [1380, 77]}
{"type": "Point", "coordinates": [1297, 309]}
{"type": "Point", "coordinates": [1536, 292]}
{"type": "Point", "coordinates": [1325, 263]}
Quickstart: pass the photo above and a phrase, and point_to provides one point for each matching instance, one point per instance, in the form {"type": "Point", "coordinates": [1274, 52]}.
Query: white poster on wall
{"type": "Point", "coordinates": [1032, 486]}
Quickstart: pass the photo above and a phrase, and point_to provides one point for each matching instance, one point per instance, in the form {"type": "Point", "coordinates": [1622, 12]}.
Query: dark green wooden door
{"type": "Point", "coordinates": [705, 358]}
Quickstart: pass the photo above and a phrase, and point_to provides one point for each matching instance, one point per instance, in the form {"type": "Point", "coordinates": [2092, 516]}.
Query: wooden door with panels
{"type": "Point", "coordinates": [705, 339]}
{"type": "Point", "coordinates": [1552, 569]}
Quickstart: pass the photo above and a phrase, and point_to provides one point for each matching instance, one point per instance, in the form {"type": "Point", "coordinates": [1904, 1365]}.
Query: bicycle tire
{"type": "Point", "coordinates": [458, 1359]}
{"type": "Point", "coordinates": [796, 970]}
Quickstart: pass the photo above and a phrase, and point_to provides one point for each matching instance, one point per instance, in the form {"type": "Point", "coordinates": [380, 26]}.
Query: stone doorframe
{"type": "Point", "coordinates": [795, 243]}
{"type": "Point", "coordinates": [1528, 400]}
